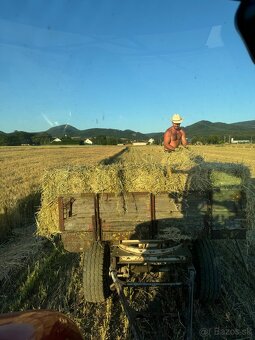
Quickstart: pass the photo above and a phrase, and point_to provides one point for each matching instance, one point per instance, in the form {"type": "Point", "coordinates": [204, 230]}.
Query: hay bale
{"type": "Point", "coordinates": [157, 170]}
{"type": "Point", "coordinates": [72, 180]}
{"type": "Point", "coordinates": [188, 171]}
{"type": "Point", "coordinates": [140, 170]}
{"type": "Point", "coordinates": [143, 177]}
{"type": "Point", "coordinates": [228, 174]}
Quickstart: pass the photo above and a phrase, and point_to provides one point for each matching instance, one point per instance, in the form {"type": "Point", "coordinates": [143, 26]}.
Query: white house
{"type": "Point", "coordinates": [88, 141]}
{"type": "Point", "coordinates": [151, 141]}
{"type": "Point", "coordinates": [56, 140]}
{"type": "Point", "coordinates": [139, 143]}
{"type": "Point", "coordinates": [239, 141]}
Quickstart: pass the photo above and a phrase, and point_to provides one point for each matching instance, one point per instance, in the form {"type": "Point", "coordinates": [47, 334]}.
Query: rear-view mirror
{"type": "Point", "coordinates": [245, 25]}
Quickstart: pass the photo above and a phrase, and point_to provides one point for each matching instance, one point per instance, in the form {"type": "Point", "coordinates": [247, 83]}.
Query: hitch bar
{"type": "Point", "coordinates": [130, 313]}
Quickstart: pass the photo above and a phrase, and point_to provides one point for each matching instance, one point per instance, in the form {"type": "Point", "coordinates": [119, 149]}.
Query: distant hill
{"type": "Point", "coordinates": [236, 130]}
{"type": "Point", "coordinates": [62, 130]}
{"type": "Point", "coordinates": [203, 128]}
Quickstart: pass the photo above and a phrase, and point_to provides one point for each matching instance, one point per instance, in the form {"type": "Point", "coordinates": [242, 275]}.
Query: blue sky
{"type": "Point", "coordinates": [121, 64]}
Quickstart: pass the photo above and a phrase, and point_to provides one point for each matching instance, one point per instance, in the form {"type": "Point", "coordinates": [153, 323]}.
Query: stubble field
{"type": "Point", "coordinates": [22, 169]}
{"type": "Point", "coordinates": [37, 273]}
{"type": "Point", "coordinates": [240, 153]}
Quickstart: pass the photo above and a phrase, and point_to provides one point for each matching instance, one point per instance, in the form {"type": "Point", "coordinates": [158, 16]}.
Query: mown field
{"type": "Point", "coordinates": [22, 169]}
{"type": "Point", "coordinates": [38, 273]}
{"type": "Point", "coordinates": [239, 153]}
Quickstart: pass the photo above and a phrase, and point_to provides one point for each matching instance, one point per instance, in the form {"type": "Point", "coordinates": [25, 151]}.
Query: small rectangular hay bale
{"type": "Point", "coordinates": [72, 180]}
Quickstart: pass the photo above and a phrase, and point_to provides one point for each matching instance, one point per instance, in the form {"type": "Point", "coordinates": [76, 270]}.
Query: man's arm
{"type": "Point", "coordinates": [167, 141]}
{"type": "Point", "coordinates": [184, 140]}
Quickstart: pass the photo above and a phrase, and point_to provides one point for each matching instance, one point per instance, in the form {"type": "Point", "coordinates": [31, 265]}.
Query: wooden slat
{"type": "Point", "coordinates": [131, 214]}
{"type": "Point", "coordinates": [84, 205]}
{"type": "Point", "coordinates": [178, 207]}
{"type": "Point", "coordinates": [76, 241]}
{"type": "Point", "coordinates": [82, 212]}
{"type": "Point", "coordinates": [129, 217]}
{"type": "Point", "coordinates": [116, 235]}
{"type": "Point", "coordinates": [79, 223]}
{"type": "Point", "coordinates": [128, 208]}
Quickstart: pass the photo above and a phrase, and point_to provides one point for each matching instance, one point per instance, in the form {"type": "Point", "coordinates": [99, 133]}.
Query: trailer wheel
{"type": "Point", "coordinates": [207, 282]}
{"type": "Point", "coordinates": [96, 280]}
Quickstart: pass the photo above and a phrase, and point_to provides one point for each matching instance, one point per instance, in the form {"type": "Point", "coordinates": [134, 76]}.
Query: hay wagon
{"type": "Point", "coordinates": [139, 232]}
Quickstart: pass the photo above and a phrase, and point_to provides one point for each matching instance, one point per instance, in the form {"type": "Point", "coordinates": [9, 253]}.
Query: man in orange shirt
{"type": "Point", "coordinates": [175, 135]}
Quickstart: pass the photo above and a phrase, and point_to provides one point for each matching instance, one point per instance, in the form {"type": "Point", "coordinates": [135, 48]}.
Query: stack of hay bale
{"type": "Point", "coordinates": [146, 169]}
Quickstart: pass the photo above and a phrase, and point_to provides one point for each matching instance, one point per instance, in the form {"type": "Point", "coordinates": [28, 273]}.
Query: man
{"type": "Point", "coordinates": [175, 135]}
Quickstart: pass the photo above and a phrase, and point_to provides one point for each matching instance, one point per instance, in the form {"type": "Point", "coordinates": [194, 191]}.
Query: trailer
{"type": "Point", "coordinates": [142, 232]}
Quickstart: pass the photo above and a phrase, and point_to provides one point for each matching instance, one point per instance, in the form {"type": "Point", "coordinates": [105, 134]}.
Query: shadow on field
{"type": "Point", "coordinates": [52, 279]}
{"type": "Point", "coordinates": [161, 311]}
{"type": "Point", "coordinates": [115, 158]}
{"type": "Point", "coordinates": [46, 278]}
{"type": "Point", "coordinates": [19, 215]}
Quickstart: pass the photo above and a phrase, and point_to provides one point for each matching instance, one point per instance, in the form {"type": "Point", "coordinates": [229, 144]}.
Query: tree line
{"type": "Point", "coordinates": [19, 137]}
{"type": "Point", "coordinates": [215, 139]}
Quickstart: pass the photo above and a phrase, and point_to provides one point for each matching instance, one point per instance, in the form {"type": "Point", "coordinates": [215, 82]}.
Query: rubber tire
{"type": "Point", "coordinates": [96, 280]}
{"type": "Point", "coordinates": [208, 281]}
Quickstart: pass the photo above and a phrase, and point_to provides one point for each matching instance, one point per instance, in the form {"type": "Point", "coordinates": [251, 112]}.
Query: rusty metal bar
{"type": "Point", "coordinates": [94, 226]}
{"type": "Point", "coordinates": [153, 211]}
{"type": "Point", "coordinates": [191, 284]}
{"type": "Point", "coordinates": [71, 202]}
{"type": "Point", "coordinates": [61, 213]}
{"type": "Point", "coordinates": [96, 221]}
{"type": "Point", "coordinates": [127, 309]}
{"type": "Point", "coordinates": [99, 228]}
{"type": "Point", "coordinates": [154, 284]}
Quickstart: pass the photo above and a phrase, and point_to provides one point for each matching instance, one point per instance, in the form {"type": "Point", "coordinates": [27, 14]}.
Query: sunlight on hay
{"type": "Point", "coordinates": [143, 178]}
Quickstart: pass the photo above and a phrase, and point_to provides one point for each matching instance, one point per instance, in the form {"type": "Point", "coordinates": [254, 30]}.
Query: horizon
{"type": "Point", "coordinates": [80, 129]}
{"type": "Point", "coordinates": [122, 65]}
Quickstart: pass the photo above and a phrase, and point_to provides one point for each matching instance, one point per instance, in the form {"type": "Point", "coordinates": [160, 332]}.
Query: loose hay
{"type": "Point", "coordinates": [140, 170]}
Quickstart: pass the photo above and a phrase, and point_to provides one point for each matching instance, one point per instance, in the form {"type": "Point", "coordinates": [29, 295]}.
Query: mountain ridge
{"type": "Point", "coordinates": [203, 128]}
